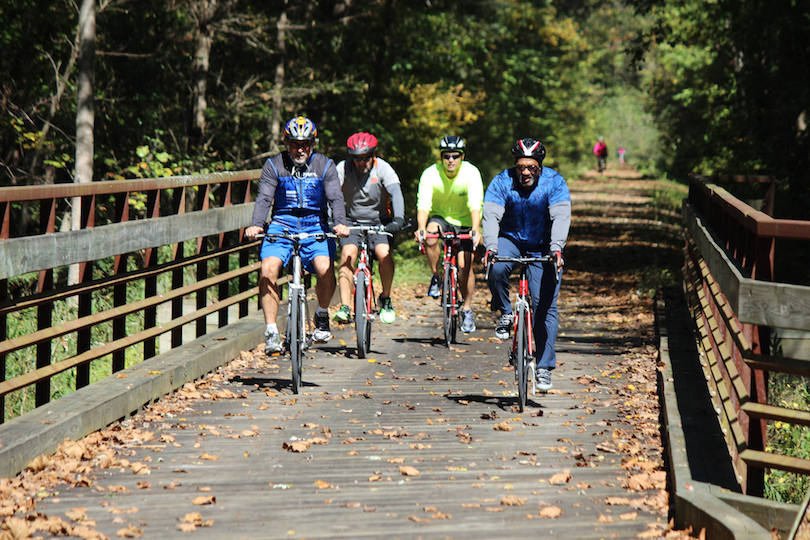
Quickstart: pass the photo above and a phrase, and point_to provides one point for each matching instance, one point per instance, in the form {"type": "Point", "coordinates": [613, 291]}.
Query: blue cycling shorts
{"type": "Point", "coordinates": [310, 248]}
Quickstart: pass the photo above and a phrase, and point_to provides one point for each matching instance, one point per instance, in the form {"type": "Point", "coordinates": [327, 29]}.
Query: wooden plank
{"type": "Point", "coordinates": [105, 316]}
{"type": "Point", "coordinates": [757, 458]}
{"type": "Point", "coordinates": [50, 370]}
{"type": "Point", "coordinates": [111, 187]}
{"type": "Point", "coordinates": [781, 414]}
{"type": "Point", "coordinates": [28, 254]}
{"type": "Point", "coordinates": [777, 305]}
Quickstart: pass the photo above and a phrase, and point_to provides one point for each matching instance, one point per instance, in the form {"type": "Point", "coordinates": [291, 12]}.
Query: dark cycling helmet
{"type": "Point", "coordinates": [529, 148]}
{"type": "Point", "coordinates": [361, 144]}
{"type": "Point", "coordinates": [450, 143]}
{"type": "Point", "coordinates": [300, 128]}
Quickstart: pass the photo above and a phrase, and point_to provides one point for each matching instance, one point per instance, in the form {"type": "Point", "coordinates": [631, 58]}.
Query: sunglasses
{"type": "Point", "coordinates": [451, 156]}
{"type": "Point", "coordinates": [298, 145]}
{"type": "Point", "coordinates": [362, 159]}
{"type": "Point", "coordinates": [534, 169]}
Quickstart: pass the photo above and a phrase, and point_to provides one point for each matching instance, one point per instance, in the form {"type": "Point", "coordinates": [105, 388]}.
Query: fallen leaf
{"type": "Point", "coordinates": [130, 532]}
{"type": "Point", "coordinates": [560, 478]}
{"type": "Point", "coordinates": [407, 470]}
{"type": "Point", "coordinates": [296, 446]}
{"type": "Point", "coordinates": [204, 499]}
{"type": "Point", "coordinates": [512, 500]}
{"type": "Point", "coordinates": [550, 512]}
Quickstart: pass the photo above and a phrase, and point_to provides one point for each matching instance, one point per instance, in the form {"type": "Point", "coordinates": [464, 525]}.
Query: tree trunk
{"type": "Point", "coordinates": [203, 11]}
{"type": "Point", "coordinates": [84, 112]}
{"type": "Point", "coordinates": [278, 85]}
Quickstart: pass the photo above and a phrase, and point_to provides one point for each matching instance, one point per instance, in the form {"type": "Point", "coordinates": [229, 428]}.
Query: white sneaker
{"type": "Point", "coordinates": [321, 333]}
{"type": "Point", "coordinates": [272, 343]}
{"type": "Point", "coordinates": [544, 380]}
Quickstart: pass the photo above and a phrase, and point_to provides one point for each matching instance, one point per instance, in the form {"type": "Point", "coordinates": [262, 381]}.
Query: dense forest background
{"type": "Point", "coordinates": [190, 86]}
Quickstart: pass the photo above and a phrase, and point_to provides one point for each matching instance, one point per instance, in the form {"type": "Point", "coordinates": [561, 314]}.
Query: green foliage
{"type": "Point", "coordinates": [726, 91]}
{"type": "Point", "coordinates": [792, 440]}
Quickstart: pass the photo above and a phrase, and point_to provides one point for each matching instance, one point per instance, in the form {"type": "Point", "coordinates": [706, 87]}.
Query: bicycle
{"type": "Point", "coordinates": [450, 297]}
{"type": "Point", "coordinates": [297, 340]}
{"type": "Point", "coordinates": [364, 288]}
{"type": "Point", "coordinates": [522, 328]}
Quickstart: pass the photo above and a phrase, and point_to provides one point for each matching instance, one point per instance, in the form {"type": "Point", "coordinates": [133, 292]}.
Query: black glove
{"type": "Point", "coordinates": [395, 226]}
{"type": "Point", "coordinates": [488, 257]}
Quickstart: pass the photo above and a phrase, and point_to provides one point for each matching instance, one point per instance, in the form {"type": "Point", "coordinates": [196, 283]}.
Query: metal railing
{"type": "Point", "coordinates": [728, 281]}
{"type": "Point", "coordinates": [142, 243]}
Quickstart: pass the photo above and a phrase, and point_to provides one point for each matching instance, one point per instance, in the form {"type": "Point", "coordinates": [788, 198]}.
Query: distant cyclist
{"type": "Point", "coordinates": [369, 183]}
{"type": "Point", "coordinates": [449, 199]}
{"type": "Point", "coordinates": [600, 150]}
{"type": "Point", "coordinates": [527, 212]}
{"type": "Point", "coordinates": [299, 184]}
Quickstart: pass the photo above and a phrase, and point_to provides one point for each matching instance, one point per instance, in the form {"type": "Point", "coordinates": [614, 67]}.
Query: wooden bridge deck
{"type": "Point", "coordinates": [421, 442]}
{"type": "Point", "coordinates": [415, 441]}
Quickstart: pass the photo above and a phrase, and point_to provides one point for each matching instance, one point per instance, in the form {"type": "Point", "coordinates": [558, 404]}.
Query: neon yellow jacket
{"type": "Point", "coordinates": [452, 199]}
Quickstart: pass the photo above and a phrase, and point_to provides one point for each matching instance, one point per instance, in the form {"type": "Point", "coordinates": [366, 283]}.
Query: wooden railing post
{"type": "Point", "coordinates": [150, 283]}
{"type": "Point", "coordinates": [83, 340]}
{"type": "Point", "coordinates": [119, 325]}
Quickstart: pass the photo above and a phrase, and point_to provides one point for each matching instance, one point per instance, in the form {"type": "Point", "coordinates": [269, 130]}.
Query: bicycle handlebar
{"type": "Point", "coordinates": [371, 229]}
{"type": "Point", "coordinates": [296, 236]}
{"type": "Point", "coordinates": [521, 260]}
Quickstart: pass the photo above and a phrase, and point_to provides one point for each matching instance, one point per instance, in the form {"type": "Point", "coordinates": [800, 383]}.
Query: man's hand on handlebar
{"type": "Point", "coordinates": [395, 226]}
{"type": "Point", "coordinates": [476, 237]}
{"type": "Point", "coordinates": [341, 230]}
{"type": "Point", "coordinates": [253, 230]}
{"type": "Point", "coordinates": [419, 235]}
{"type": "Point", "coordinates": [488, 256]}
{"type": "Point", "coordinates": [559, 262]}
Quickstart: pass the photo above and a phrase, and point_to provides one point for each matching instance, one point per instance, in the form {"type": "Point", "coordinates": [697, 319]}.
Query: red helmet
{"type": "Point", "coordinates": [361, 143]}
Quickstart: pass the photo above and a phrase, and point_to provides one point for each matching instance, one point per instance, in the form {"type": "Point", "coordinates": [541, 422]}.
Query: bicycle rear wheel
{"type": "Point", "coordinates": [362, 323]}
{"type": "Point", "coordinates": [521, 357]}
{"type": "Point", "coordinates": [295, 337]}
{"type": "Point", "coordinates": [449, 316]}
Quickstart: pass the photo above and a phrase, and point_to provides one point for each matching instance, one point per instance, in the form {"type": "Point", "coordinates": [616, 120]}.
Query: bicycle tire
{"type": "Point", "coordinates": [521, 353]}
{"type": "Point", "coordinates": [362, 324]}
{"type": "Point", "coordinates": [295, 339]}
{"type": "Point", "coordinates": [448, 312]}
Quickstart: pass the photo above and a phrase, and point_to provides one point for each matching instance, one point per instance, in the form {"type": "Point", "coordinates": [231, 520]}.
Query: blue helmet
{"type": "Point", "coordinates": [300, 128]}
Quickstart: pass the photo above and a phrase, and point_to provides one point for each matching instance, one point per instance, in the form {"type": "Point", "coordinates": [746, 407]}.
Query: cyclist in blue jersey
{"type": "Point", "coordinates": [527, 212]}
{"type": "Point", "coordinates": [298, 183]}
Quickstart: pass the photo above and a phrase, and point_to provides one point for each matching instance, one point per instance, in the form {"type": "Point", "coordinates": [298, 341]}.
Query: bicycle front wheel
{"type": "Point", "coordinates": [449, 316]}
{"type": "Point", "coordinates": [295, 337]}
{"type": "Point", "coordinates": [362, 323]}
{"type": "Point", "coordinates": [521, 352]}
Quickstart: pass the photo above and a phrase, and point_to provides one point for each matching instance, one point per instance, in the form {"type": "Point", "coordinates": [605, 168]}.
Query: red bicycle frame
{"type": "Point", "coordinates": [523, 292]}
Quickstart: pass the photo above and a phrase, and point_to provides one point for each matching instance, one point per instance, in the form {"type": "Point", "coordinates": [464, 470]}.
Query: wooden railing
{"type": "Point", "coordinates": [142, 243]}
{"type": "Point", "coordinates": [728, 273]}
